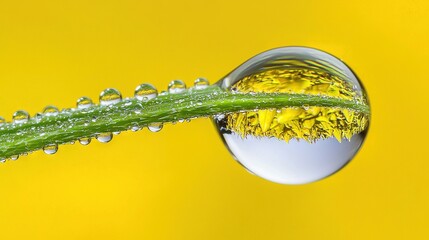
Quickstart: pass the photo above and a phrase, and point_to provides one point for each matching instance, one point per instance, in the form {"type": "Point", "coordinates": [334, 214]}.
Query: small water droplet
{"type": "Point", "coordinates": [50, 110]}
{"type": "Point", "coordinates": [155, 127]}
{"type": "Point", "coordinates": [14, 157]}
{"type": "Point", "coordinates": [50, 148]}
{"type": "Point", "coordinates": [2, 160]}
{"type": "Point", "coordinates": [104, 137]}
{"type": "Point", "coordinates": [20, 116]}
{"type": "Point", "coordinates": [176, 86]}
{"type": "Point", "coordinates": [145, 92]}
{"type": "Point", "coordinates": [201, 83]}
{"type": "Point", "coordinates": [85, 141]}
{"type": "Point", "coordinates": [110, 96]}
{"type": "Point", "coordinates": [84, 102]}
{"type": "Point", "coordinates": [116, 133]}
{"type": "Point", "coordinates": [2, 120]}
{"type": "Point", "coordinates": [135, 128]}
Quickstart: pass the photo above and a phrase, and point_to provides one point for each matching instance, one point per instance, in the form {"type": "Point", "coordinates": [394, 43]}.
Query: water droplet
{"type": "Point", "coordinates": [155, 127]}
{"type": "Point", "coordinates": [50, 110]}
{"type": "Point", "coordinates": [116, 133]}
{"type": "Point", "coordinates": [145, 92]}
{"type": "Point", "coordinates": [176, 86]}
{"type": "Point", "coordinates": [84, 102]}
{"type": "Point", "coordinates": [135, 128]}
{"type": "Point", "coordinates": [20, 116]}
{"type": "Point", "coordinates": [50, 148]}
{"type": "Point", "coordinates": [2, 160]}
{"type": "Point", "coordinates": [85, 141]}
{"type": "Point", "coordinates": [110, 96]}
{"type": "Point", "coordinates": [104, 137]}
{"type": "Point", "coordinates": [294, 145]}
{"type": "Point", "coordinates": [201, 83]}
{"type": "Point", "coordinates": [2, 120]}
{"type": "Point", "coordinates": [14, 157]}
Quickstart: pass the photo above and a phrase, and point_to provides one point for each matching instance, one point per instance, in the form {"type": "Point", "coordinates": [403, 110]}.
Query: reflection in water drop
{"type": "Point", "coordinates": [295, 162]}
{"type": "Point", "coordinates": [145, 92]}
{"type": "Point", "coordinates": [50, 110]}
{"type": "Point", "coordinates": [295, 145]}
{"type": "Point", "coordinates": [85, 141]}
{"type": "Point", "coordinates": [20, 116]}
{"type": "Point", "coordinates": [110, 96]}
{"type": "Point", "coordinates": [104, 137]}
{"type": "Point", "coordinates": [201, 83]}
{"type": "Point", "coordinates": [155, 127]}
{"type": "Point", "coordinates": [176, 86]}
{"type": "Point", "coordinates": [50, 148]}
{"type": "Point", "coordinates": [84, 102]}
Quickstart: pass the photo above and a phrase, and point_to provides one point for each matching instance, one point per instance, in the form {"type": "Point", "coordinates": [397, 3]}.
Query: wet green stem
{"type": "Point", "coordinates": [71, 125]}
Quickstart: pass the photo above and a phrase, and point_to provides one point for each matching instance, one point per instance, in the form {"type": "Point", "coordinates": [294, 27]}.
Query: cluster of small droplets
{"type": "Point", "coordinates": [108, 97]}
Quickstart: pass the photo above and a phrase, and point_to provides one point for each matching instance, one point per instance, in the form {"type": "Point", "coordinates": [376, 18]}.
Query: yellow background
{"type": "Point", "coordinates": [181, 183]}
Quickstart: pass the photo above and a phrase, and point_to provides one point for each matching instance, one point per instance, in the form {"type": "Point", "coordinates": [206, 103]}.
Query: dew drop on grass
{"type": "Point", "coordinates": [84, 102]}
{"type": "Point", "coordinates": [145, 92]}
{"type": "Point", "coordinates": [176, 86]}
{"type": "Point", "coordinates": [50, 148]}
{"type": "Point", "coordinates": [50, 110]}
{"type": "Point", "coordinates": [85, 141]}
{"type": "Point", "coordinates": [201, 83]}
{"type": "Point", "coordinates": [20, 116]}
{"type": "Point", "coordinates": [104, 137]}
{"type": "Point", "coordinates": [155, 127]}
{"type": "Point", "coordinates": [301, 144]}
{"type": "Point", "coordinates": [110, 96]}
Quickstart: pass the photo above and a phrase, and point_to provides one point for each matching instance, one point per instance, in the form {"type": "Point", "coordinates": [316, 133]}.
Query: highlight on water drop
{"type": "Point", "coordinates": [145, 92]}
{"type": "Point", "coordinates": [110, 96]}
{"type": "Point", "coordinates": [176, 86]}
{"type": "Point", "coordinates": [302, 144]}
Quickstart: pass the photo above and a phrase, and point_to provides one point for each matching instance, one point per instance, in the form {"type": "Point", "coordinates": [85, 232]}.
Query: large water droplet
{"type": "Point", "coordinates": [110, 96]}
{"type": "Point", "coordinates": [145, 92]}
{"type": "Point", "coordinates": [201, 83]}
{"type": "Point", "coordinates": [14, 157]}
{"type": "Point", "coordinates": [84, 102]}
{"type": "Point", "coordinates": [176, 86]}
{"type": "Point", "coordinates": [50, 148]}
{"type": "Point", "coordinates": [155, 127]}
{"type": "Point", "coordinates": [104, 137]}
{"type": "Point", "coordinates": [50, 110]}
{"type": "Point", "coordinates": [302, 144]}
{"type": "Point", "coordinates": [20, 116]}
